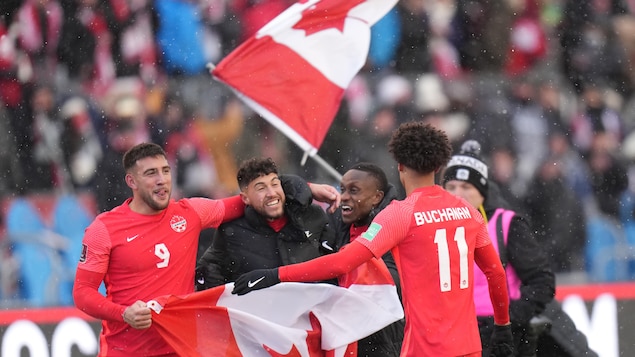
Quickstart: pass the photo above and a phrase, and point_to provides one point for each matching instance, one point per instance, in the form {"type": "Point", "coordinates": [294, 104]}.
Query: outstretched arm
{"type": "Point", "coordinates": [322, 268]}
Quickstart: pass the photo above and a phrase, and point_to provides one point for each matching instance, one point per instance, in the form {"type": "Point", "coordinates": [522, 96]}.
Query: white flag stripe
{"type": "Point", "coordinates": [345, 315]}
{"type": "Point", "coordinates": [330, 50]}
{"type": "Point", "coordinates": [252, 331]}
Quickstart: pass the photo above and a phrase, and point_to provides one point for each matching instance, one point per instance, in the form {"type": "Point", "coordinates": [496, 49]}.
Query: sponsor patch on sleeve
{"type": "Point", "coordinates": [372, 231]}
{"type": "Point", "coordinates": [82, 257]}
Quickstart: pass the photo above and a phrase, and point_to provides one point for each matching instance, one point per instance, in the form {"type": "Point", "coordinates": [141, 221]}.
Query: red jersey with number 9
{"type": "Point", "coordinates": [433, 235]}
{"type": "Point", "coordinates": [143, 257]}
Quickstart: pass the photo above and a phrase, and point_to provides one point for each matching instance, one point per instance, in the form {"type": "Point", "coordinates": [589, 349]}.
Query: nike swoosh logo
{"type": "Point", "coordinates": [130, 239]}
{"type": "Point", "coordinates": [308, 234]}
{"type": "Point", "coordinates": [201, 280]}
{"type": "Point", "coordinates": [251, 284]}
{"type": "Point", "coordinates": [326, 245]}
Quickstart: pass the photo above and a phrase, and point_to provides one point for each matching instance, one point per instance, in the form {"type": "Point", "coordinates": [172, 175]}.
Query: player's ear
{"type": "Point", "coordinates": [244, 197]}
{"type": "Point", "coordinates": [379, 195]}
{"type": "Point", "coordinates": [130, 181]}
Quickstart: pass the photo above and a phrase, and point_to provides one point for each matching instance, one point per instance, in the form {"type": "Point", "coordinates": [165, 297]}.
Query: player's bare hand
{"type": "Point", "coordinates": [327, 194]}
{"type": "Point", "coordinates": [138, 315]}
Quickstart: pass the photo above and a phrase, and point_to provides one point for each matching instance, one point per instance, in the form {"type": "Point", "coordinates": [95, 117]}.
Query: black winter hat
{"type": "Point", "coordinates": [468, 166]}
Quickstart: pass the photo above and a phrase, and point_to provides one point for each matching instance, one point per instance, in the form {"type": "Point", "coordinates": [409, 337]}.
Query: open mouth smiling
{"type": "Point", "coordinates": [272, 203]}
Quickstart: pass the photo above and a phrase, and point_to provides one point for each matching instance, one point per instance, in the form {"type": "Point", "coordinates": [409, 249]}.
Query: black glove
{"type": "Point", "coordinates": [502, 342]}
{"type": "Point", "coordinates": [255, 280]}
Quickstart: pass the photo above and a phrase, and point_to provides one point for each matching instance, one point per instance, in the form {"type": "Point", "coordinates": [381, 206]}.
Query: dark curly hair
{"type": "Point", "coordinates": [420, 146]}
{"type": "Point", "coordinates": [375, 171]}
{"type": "Point", "coordinates": [141, 151]}
{"type": "Point", "coordinates": [251, 169]}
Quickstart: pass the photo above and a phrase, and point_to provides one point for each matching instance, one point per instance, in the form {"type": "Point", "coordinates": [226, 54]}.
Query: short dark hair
{"type": "Point", "coordinates": [375, 171]}
{"type": "Point", "coordinates": [420, 146]}
{"type": "Point", "coordinates": [251, 169]}
{"type": "Point", "coordinates": [141, 151]}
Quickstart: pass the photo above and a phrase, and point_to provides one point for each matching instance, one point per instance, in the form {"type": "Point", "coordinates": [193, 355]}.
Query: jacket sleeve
{"type": "Point", "coordinates": [328, 238]}
{"type": "Point", "coordinates": [209, 268]}
{"type": "Point", "coordinates": [531, 264]}
{"type": "Point", "coordinates": [296, 190]}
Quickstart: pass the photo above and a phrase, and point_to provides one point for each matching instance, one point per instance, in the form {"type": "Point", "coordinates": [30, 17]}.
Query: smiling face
{"type": "Point", "coordinates": [265, 195]}
{"type": "Point", "coordinates": [465, 190]}
{"type": "Point", "coordinates": [360, 193]}
{"type": "Point", "coordinates": [151, 182]}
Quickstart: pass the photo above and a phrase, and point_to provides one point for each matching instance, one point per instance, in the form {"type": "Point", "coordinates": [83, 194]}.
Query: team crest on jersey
{"type": "Point", "coordinates": [178, 223]}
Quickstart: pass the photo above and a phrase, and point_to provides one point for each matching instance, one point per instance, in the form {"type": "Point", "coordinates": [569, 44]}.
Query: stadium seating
{"type": "Point", "coordinates": [44, 235]}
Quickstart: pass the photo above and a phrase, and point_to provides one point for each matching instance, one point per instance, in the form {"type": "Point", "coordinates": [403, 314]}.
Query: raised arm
{"type": "Point", "coordinates": [327, 194]}
{"type": "Point", "coordinates": [295, 186]}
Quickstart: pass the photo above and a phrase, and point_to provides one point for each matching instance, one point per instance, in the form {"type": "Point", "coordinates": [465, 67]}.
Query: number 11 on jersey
{"type": "Point", "coordinates": [445, 275]}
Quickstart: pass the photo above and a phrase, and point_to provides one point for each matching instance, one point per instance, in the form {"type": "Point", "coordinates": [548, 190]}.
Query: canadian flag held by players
{"type": "Point", "coordinates": [288, 319]}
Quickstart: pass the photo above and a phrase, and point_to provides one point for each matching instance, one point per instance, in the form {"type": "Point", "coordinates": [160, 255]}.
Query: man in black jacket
{"type": "Point", "coordinates": [280, 227]}
{"type": "Point", "coordinates": [365, 191]}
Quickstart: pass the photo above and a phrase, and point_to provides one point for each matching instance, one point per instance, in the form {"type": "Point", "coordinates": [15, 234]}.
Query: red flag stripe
{"type": "Point", "coordinates": [276, 78]}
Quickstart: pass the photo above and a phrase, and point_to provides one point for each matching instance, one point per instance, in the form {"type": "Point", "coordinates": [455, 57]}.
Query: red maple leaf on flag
{"type": "Point", "coordinates": [324, 15]}
{"type": "Point", "coordinates": [313, 341]}
{"type": "Point", "coordinates": [293, 353]}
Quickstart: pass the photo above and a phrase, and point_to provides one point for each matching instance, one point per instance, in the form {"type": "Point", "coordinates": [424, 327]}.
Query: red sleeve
{"type": "Point", "coordinates": [328, 266]}
{"type": "Point", "coordinates": [489, 262]}
{"type": "Point", "coordinates": [234, 208]}
{"type": "Point", "coordinates": [89, 300]}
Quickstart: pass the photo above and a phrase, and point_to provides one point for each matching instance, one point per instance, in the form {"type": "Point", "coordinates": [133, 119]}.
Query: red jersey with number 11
{"type": "Point", "coordinates": [434, 235]}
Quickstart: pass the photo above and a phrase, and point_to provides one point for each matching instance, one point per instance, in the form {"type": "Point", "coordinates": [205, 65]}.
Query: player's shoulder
{"type": "Point", "coordinates": [195, 206]}
{"type": "Point", "coordinates": [193, 202]}
{"type": "Point", "coordinates": [112, 215]}
{"type": "Point", "coordinates": [182, 202]}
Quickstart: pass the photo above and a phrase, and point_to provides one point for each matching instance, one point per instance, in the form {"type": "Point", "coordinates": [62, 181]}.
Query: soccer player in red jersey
{"type": "Point", "coordinates": [146, 248]}
{"type": "Point", "coordinates": [435, 238]}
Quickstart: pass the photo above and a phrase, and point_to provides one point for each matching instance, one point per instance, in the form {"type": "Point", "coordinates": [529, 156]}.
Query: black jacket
{"type": "Point", "coordinates": [249, 243]}
{"type": "Point", "coordinates": [529, 260]}
{"type": "Point", "coordinates": [387, 341]}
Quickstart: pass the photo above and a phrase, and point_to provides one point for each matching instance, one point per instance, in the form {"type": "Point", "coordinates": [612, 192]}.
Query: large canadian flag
{"type": "Point", "coordinates": [294, 70]}
{"type": "Point", "coordinates": [288, 319]}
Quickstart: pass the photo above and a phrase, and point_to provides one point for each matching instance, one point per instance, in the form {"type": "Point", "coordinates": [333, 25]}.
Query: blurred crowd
{"type": "Point", "coordinates": [547, 87]}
